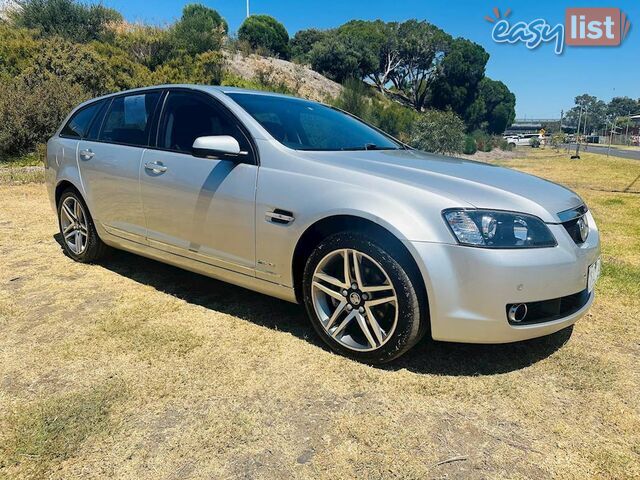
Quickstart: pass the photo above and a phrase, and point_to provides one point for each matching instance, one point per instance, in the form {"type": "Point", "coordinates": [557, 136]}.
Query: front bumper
{"type": "Point", "coordinates": [469, 288]}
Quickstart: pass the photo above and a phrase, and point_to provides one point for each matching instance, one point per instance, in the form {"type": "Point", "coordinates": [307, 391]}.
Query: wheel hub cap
{"type": "Point", "coordinates": [355, 299]}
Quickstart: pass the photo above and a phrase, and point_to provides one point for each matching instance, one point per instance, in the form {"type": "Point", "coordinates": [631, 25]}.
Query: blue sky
{"type": "Point", "coordinates": [544, 83]}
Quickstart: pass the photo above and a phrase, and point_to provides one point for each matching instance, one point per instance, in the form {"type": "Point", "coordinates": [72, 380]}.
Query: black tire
{"type": "Point", "coordinates": [95, 247]}
{"type": "Point", "coordinates": [412, 310]}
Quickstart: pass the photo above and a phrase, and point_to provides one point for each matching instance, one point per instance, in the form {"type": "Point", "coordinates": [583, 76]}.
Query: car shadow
{"type": "Point", "coordinates": [428, 357]}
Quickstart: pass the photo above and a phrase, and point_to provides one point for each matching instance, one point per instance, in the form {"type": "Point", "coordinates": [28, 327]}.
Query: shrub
{"type": "Point", "coordinates": [17, 49]}
{"type": "Point", "coordinates": [438, 132]}
{"type": "Point", "coordinates": [66, 18]}
{"type": "Point", "coordinates": [30, 111]}
{"type": "Point", "coordinates": [502, 144]}
{"type": "Point", "coordinates": [393, 118]}
{"type": "Point", "coordinates": [98, 68]}
{"type": "Point", "coordinates": [150, 46]}
{"type": "Point", "coordinates": [199, 29]}
{"type": "Point", "coordinates": [265, 32]}
{"type": "Point", "coordinates": [484, 142]}
{"type": "Point", "coordinates": [354, 98]}
{"type": "Point", "coordinates": [470, 146]}
{"type": "Point", "coordinates": [534, 142]}
{"type": "Point", "coordinates": [557, 139]}
{"type": "Point", "coordinates": [204, 68]}
{"type": "Point", "coordinates": [260, 82]}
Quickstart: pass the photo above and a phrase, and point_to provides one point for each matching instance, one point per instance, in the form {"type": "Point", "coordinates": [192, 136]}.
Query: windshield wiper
{"type": "Point", "coordinates": [369, 146]}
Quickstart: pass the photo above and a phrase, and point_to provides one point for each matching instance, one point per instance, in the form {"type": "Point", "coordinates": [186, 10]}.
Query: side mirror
{"type": "Point", "coordinates": [218, 146]}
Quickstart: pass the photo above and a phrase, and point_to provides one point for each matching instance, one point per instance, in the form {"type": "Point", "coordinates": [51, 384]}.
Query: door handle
{"type": "Point", "coordinates": [283, 217]}
{"type": "Point", "coordinates": [155, 167]}
{"type": "Point", "coordinates": [87, 154]}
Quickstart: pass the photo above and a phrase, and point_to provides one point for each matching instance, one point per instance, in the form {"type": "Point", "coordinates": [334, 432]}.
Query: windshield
{"type": "Point", "coordinates": [305, 125]}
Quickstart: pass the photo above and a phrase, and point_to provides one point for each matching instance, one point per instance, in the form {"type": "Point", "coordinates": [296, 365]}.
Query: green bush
{"type": "Point", "coordinates": [534, 142]}
{"type": "Point", "coordinates": [30, 111]}
{"type": "Point", "coordinates": [354, 98]}
{"type": "Point", "coordinates": [200, 29]}
{"type": "Point", "coordinates": [484, 142]}
{"type": "Point", "coordinates": [266, 33]}
{"type": "Point", "coordinates": [470, 146]}
{"type": "Point", "coordinates": [205, 68]}
{"type": "Point", "coordinates": [502, 144]}
{"type": "Point", "coordinates": [17, 48]}
{"type": "Point", "coordinates": [439, 132]}
{"type": "Point", "coordinates": [557, 139]}
{"type": "Point", "coordinates": [260, 82]}
{"type": "Point", "coordinates": [303, 42]}
{"type": "Point", "coordinates": [360, 100]}
{"type": "Point", "coordinates": [99, 68]}
{"type": "Point", "coordinates": [66, 18]}
{"type": "Point", "coordinates": [148, 45]}
{"type": "Point", "coordinates": [393, 118]}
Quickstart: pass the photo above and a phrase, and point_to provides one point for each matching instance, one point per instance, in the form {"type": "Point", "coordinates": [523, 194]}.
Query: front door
{"type": "Point", "coordinates": [203, 208]}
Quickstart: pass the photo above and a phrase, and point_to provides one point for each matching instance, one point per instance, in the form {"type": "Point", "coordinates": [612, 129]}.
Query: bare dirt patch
{"type": "Point", "coordinates": [298, 78]}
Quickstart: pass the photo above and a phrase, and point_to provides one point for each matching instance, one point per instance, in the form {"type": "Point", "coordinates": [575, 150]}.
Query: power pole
{"type": "Point", "coordinates": [577, 155]}
{"type": "Point", "coordinates": [248, 9]}
{"type": "Point", "coordinates": [626, 135]}
{"type": "Point", "coordinates": [610, 138]}
{"type": "Point", "coordinates": [584, 130]}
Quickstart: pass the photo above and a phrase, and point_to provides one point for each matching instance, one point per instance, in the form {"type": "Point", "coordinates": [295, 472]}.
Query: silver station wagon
{"type": "Point", "coordinates": [298, 200]}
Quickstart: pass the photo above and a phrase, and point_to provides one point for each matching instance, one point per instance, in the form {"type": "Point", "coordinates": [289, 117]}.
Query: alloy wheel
{"type": "Point", "coordinates": [354, 300]}
{"type": "Point", "coordinates": [73, 224]}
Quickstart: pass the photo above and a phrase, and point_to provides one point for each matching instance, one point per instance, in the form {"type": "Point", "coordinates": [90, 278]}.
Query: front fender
{"type": "Point", "coordinates": [407, 213]}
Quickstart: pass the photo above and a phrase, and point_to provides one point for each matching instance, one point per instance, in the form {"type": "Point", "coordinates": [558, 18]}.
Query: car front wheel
{"type": "Point", "coordinates": [363, 300]}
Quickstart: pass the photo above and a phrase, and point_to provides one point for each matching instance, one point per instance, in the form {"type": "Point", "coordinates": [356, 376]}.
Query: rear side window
{"type": "Point", "coordinates": [94, 129]}
{"type": "Point", "coordinates": [129, 118]}
{"type": "Point", "coordinates": [78, 125]}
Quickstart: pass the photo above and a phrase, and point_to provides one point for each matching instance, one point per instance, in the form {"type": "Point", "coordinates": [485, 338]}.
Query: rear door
{"type": "Point", "coordinates": [109, 159]}
{"type": "Point", "coordinates": [65, 147]}
{"type": "Point", "coordinates": [202, 208]}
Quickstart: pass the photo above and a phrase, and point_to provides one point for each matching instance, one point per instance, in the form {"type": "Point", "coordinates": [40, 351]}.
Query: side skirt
{"type": "Point", "coordinates": [246, 281]}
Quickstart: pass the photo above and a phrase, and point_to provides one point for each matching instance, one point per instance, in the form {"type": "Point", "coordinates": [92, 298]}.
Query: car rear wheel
{"type": "Point", "coordinates": [79, 236]}
{"type": "Point", "coordinates": [361, 299]}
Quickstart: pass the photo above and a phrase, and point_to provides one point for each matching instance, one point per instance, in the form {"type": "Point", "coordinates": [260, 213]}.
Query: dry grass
{"type": "Point", "coordinates": [133, 369]}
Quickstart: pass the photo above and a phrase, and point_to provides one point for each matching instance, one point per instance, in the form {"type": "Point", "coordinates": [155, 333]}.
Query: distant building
{"type": "Point", "coordinates": [534, 125]}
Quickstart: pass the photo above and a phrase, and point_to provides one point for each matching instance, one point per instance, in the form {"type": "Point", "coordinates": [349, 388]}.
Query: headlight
{"type": "Point", "coordinates": [498, 229]}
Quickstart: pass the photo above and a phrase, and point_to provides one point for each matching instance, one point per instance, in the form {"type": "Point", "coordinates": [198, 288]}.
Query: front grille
{"type": "Point", "coordinates": [571, 220]}
{"type": "Point", "coordinates": [573, 229]}
{"type": "Point", "coordinates": [554, 309]}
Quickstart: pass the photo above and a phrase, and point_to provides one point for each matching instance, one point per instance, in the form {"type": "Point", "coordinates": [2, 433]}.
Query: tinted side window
{"type": "Point", "coordinates": [128, 119]}
{"type": "Point", "coordinates": [78, 125]}
{"type": "Point", "coordinates": [188, 116]}
{"type": "Point", "coordinates": [94, 129]}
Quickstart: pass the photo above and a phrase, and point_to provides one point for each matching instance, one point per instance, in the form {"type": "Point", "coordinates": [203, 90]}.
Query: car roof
{"type": "Point", "coordinates": [204, 88]}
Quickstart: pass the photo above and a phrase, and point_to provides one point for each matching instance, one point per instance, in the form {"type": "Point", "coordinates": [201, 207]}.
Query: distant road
{"type": "Point", "coordinates": [632, 154]}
